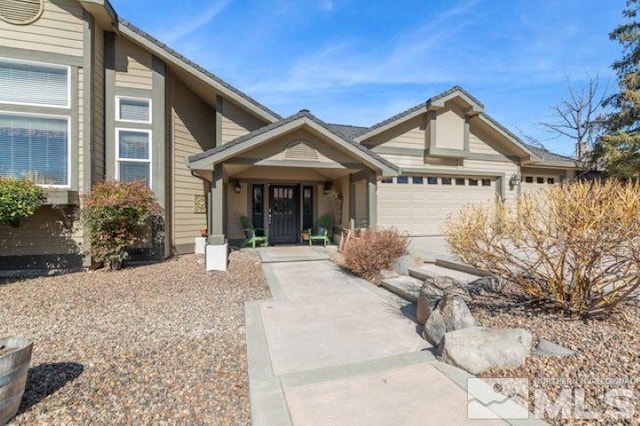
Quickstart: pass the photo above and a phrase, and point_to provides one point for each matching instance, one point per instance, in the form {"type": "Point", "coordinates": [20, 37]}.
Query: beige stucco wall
{"type": "Point", "coordinates": [193, 131]}
{"type": "Point", "coordinates": [59, 30]}
{"type": "Point", "coordinates": [362, 215]}
{"type": "Point", "coordinates": [237, 205]}
{"type": "Point", "coordinates": [450, 128]}
{"type": "Point", "coordinates": [237, 122]}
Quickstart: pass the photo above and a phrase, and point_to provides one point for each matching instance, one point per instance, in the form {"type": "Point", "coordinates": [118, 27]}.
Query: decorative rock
{"type": "Point", "coordinates": [385, 274]}
{"type": "Point", "coordinates": [477, 349]}
{"type": "Point", "coordinates": [406, 262]}
{"type": "Point", "coordinates": [433, 290]}
{"type": "Point", "coordinates": [449, 315]}
{"type": "Point", "coordinates": [546, 348]}
{"type": "Point", "coordinates": [486, 284]}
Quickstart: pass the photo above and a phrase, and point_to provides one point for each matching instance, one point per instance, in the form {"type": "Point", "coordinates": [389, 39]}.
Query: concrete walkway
{"type": "Point", "coordinates": [331, 349]}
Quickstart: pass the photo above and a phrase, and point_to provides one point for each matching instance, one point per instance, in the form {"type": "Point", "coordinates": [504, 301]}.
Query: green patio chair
{"type": "Point", "coordinates": [321, 231]}
{"type": "Point", "coordinates": [254, 236]}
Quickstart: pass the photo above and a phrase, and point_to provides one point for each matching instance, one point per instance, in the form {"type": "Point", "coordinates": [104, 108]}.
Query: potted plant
{"type": "Point", "coordinates": [15, 359]}
{"type": "Point", "coordinates": [203, 232]}
{"type": "Point", "coordinates": [305, 235]}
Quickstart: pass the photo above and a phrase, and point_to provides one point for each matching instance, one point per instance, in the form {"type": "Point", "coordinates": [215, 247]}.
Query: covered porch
{"type": "Point", "coordinates": [285, 177]}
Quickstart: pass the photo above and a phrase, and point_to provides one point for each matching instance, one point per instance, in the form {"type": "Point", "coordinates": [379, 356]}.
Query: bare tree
{"type": "Point", "coordinates": [578, 116]}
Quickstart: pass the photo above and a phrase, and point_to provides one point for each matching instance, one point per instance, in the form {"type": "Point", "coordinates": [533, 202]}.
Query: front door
{"type": "Point", "coordinates": [283, 214]}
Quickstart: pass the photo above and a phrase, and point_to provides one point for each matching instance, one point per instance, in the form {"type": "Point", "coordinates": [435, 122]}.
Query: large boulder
{"type": "Point", "coordinates": [406, 262]}
{"type": "Point", "coordinates": [477, 349]}
{"type": "Point", "coordinates": [546, 348]}
{"type": "Point", "coordinates": [450, 314]}
{"type": "Point", "coordinates": [385, 274]}
{"type": "Point", "coordinates": [433, 290]}
{"type": "Point", "coordinates": [486, 285]}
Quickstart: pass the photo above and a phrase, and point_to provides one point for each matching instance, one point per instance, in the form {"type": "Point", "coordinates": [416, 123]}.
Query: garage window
{"type": "Point", "coordinates": [539, 179]}
{"type": "Point", "coordinates": [446, 181]}
{"type": "Point", "coordinates": [387, 180]}
{"type": "Point", "coordinates": [418, 180]}
{"type": "Point", "coordinates": [432, 180]}
{"type": "Point", "coordinates": [473, 182]}
{"type": "Point", "coordinates": [460, 181]}
{"type": "Point", "coordinates": [403, 179]}
{"type": "Point", "coordinates": [551, 181]}
{"type": "Point", "coordinates": [486, 182]}
{"type": "Point", "coordinates": [528, 179]}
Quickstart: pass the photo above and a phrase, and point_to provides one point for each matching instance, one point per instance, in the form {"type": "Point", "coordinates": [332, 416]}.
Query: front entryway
{"type": "Point", "coordinates": [284, 202]}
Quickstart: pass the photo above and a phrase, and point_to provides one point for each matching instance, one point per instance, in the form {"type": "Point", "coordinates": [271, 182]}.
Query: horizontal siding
{"type": "Point", "coordinates": [236, 122]}
{"type": "Point", "coordinates": [99, 110]}
{"type": "Point", "coordinates": [42, 233]}
{"type": "Point", "coordinates": [194, 129]}
{"type": "Point", "coordinates": [59, 30]}
{"type": "Point", "coordinates": [410, 134]}
{"type": "Point", "coordinates": [133, 66]}
{"type": "Point", "coordinates": [404, 160]}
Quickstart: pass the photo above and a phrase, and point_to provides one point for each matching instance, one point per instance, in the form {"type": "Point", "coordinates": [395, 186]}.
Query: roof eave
{"type": "Point", "coordinates": [377, 130]}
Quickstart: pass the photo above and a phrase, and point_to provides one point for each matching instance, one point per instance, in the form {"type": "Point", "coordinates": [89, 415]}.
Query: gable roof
{"type": "Point", "coordinates": [171, 56]}
{"type": "Point", "coordinates": [300, 119]}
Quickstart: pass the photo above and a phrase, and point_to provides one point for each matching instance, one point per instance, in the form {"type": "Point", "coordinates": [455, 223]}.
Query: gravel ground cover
{"type": "Point", "coordinates": [605, 350]}
{"type": "Point", "coordinates": [156, 344]}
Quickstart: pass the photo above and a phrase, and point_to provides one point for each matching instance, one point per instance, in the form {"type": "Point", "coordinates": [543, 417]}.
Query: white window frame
{"type": "Point", "coordinates": [56, 116]}
{"type": "Point", "coordinates": [133, 98]}
{"type": "Point", "coordinates": [67, 68]}
{"type": "Point", "coordinates": [133, 160]}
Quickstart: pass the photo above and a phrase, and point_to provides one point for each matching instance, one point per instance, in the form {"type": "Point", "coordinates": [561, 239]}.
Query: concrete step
{"type": "Point", "coordinates": [430, 270]}
{"type": "Point", "coordinates": [450, 264]}
{"type": "Point", "coordinates": [406, 287]}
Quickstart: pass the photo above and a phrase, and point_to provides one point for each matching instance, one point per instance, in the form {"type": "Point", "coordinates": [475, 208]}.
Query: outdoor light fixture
{"type": "Point", "coordinates": [515, 180]}
{"type": "Point", "coordinates": [236, 187]}
{"type": "Point", "coordinates": [328, 186]}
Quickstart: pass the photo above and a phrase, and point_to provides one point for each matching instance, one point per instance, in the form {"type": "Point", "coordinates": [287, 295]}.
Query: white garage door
{"type": "Point", "coordinates": [420, 205]}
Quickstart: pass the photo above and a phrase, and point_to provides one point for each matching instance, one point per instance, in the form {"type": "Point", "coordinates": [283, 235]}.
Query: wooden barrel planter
{"type": "Point", "coordinates": [15, 358]}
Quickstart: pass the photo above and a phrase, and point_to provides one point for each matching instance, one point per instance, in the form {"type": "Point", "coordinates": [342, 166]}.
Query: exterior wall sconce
{"type": "Point", "coordinates": [328, 186]}
{"type": "Point", "coordinates": [236, 187]}
{"type": "Point", "coordinates": [515, 180]}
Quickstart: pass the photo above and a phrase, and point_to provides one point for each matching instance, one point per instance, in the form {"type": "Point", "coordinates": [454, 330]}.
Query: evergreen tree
{"type": "Point", "coordinates": [619, 149]}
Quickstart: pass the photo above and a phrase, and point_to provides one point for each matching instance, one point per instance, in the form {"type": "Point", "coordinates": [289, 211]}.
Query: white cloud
{"type": "Point", "coordinates": [184, 27]}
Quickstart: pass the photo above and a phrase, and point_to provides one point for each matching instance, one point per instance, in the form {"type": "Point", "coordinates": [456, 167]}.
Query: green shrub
{"type": "Point", "coordinates": [116, 214]}
{"type": "Point", "coordinates": [374, 251]}
{"type": "Point", "coordinates": [19, 199]}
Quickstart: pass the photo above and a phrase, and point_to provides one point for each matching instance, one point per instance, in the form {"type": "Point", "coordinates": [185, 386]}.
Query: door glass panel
{"type": "Point", "coordinates": [307, 207]}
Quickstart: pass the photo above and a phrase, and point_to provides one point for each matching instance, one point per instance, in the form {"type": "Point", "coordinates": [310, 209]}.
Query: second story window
{"type": "Point", "coordinates": [133, 110]}
{"type": "Point", "coordinates": [133, 141]}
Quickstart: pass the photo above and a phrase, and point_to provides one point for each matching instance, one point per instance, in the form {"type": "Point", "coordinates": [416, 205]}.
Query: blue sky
{"type": "Point", "coordinates": [361, 61]}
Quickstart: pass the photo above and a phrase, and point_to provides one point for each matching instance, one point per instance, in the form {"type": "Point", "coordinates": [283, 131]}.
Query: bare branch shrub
{"type": "Point", "coordinates": [374, 251]}
{"type": "Point", "coordinates": [575, 246]}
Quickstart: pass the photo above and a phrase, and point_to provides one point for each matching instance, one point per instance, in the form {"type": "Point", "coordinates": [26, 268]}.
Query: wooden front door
{"type": "Point", "coordinates": [283, 214]}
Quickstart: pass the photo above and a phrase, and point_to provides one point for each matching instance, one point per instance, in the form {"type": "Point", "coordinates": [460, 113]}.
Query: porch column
{"type": "Point", "coordinates": [352, 200]}
{"type": "Point", "coordinates": [216, 213]}
{"type": "Point", "coordinates": [372, 199]}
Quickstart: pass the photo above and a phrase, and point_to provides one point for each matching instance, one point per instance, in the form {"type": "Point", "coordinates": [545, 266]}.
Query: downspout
{"type": "Point", "coordinates": [208, 195]}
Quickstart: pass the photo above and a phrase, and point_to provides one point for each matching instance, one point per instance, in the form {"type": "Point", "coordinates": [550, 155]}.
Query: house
{"type": "Point", "coordinates": [86, 96]}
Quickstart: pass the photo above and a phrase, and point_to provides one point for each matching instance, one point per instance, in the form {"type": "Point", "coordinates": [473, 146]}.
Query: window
{"type": "Point", "coordinates": [528, 179]}
{"type": "Point", "coordinates": [460, 181]}
{"type": "Point", "coordinates": [432, 180]}
{"type": "Point", "coordinates": [486, 182]}
{"type": "Point", "coordinates": [133, 152]}
{"type": "Point", "coordinates": [257, 206]}
{"type": "Point", "coordinates": [551, 181]}
{"type": "Point", "coordinates": [35, 147]}
{"type": "Point", "coordinates": [133, 110]}
{"type": "Point", "coordinates": [473, 182]}
{"type": "Point", "coordinates": [307, 207]}
{"type": "Point", "coordinates": [446, 181]}
{"type": "Point", "coordinates": [387, 180]}
{"type": "Point", "coordinates": [417, 180]}
{"type": "Point", "coordinates": [403, 179]}
{"type": "Point", "coordinates": [25, 83]}
{"type": "Point", "coordinates": [539, 179]}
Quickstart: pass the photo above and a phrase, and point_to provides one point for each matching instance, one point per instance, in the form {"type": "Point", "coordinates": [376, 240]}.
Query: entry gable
{"type": "Point", "coordinates": [298, 135]}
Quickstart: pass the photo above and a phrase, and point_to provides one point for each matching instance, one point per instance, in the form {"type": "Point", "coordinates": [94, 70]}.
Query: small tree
{"type": "Point", "coordinates": [116, 214]}
{"type": "Point", "coordinates": [576, 247]}
{"type": "Point", "coordinates": [19, 199]}
{"type": "Point", "coordinates": [374, 251]}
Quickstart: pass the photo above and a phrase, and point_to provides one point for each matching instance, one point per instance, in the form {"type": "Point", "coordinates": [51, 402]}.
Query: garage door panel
{"type": "Point", "coordinates": [421, 209]}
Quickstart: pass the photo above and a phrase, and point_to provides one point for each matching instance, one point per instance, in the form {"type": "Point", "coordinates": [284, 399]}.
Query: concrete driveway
{"type": "Point", "coordinates": [331, 349]}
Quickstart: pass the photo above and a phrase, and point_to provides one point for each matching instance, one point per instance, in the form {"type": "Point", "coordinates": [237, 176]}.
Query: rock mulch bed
{"type": "Point", "coordinates": [604, 350]}
{"type": "Point", "coordinates": [157, 344]}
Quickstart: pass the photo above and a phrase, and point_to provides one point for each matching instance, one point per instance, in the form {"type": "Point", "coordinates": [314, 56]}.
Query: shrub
{"type": "Point", "coordinates": [116, 214]}
{"type": "Point", "coordinates": [576, 247]}
{"type": "Point", "coordinates": [374, 251]}
{"type": "Point", "coordinates": [19, 199]}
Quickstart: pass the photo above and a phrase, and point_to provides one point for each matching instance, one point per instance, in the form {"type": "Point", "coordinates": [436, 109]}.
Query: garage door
{"type": "Point", "coordinates": [420, 205]}
{"type": "Point", "coordinates": [535, 182]}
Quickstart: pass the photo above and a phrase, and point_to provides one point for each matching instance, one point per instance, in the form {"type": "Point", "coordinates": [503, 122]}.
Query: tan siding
{"type": "Point", "coordinates": [193, 124]}
{"type": "Point", "coordinates": [42, 233]}
{"type": "Point", "coordinates": [411, 134]}
{"type": "Point", "coordinates": [98, 103]}
{"type": "Point", "coordinates": [133, 66]}
{"type": "Point", "coordinates": [534, 174]}
{"type": "Point", "coordinates": [236, 122]}
{"type": "Point", "coordinates": [59, 30]}
{"type": "Point", "coordinates": [404, 160]}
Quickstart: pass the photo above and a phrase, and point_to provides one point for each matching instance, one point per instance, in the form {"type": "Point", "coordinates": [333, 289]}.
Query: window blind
{"type": "Point", "coordinates": [134, 110]}
{"type": "Point", "coordinates": [33, 84]}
